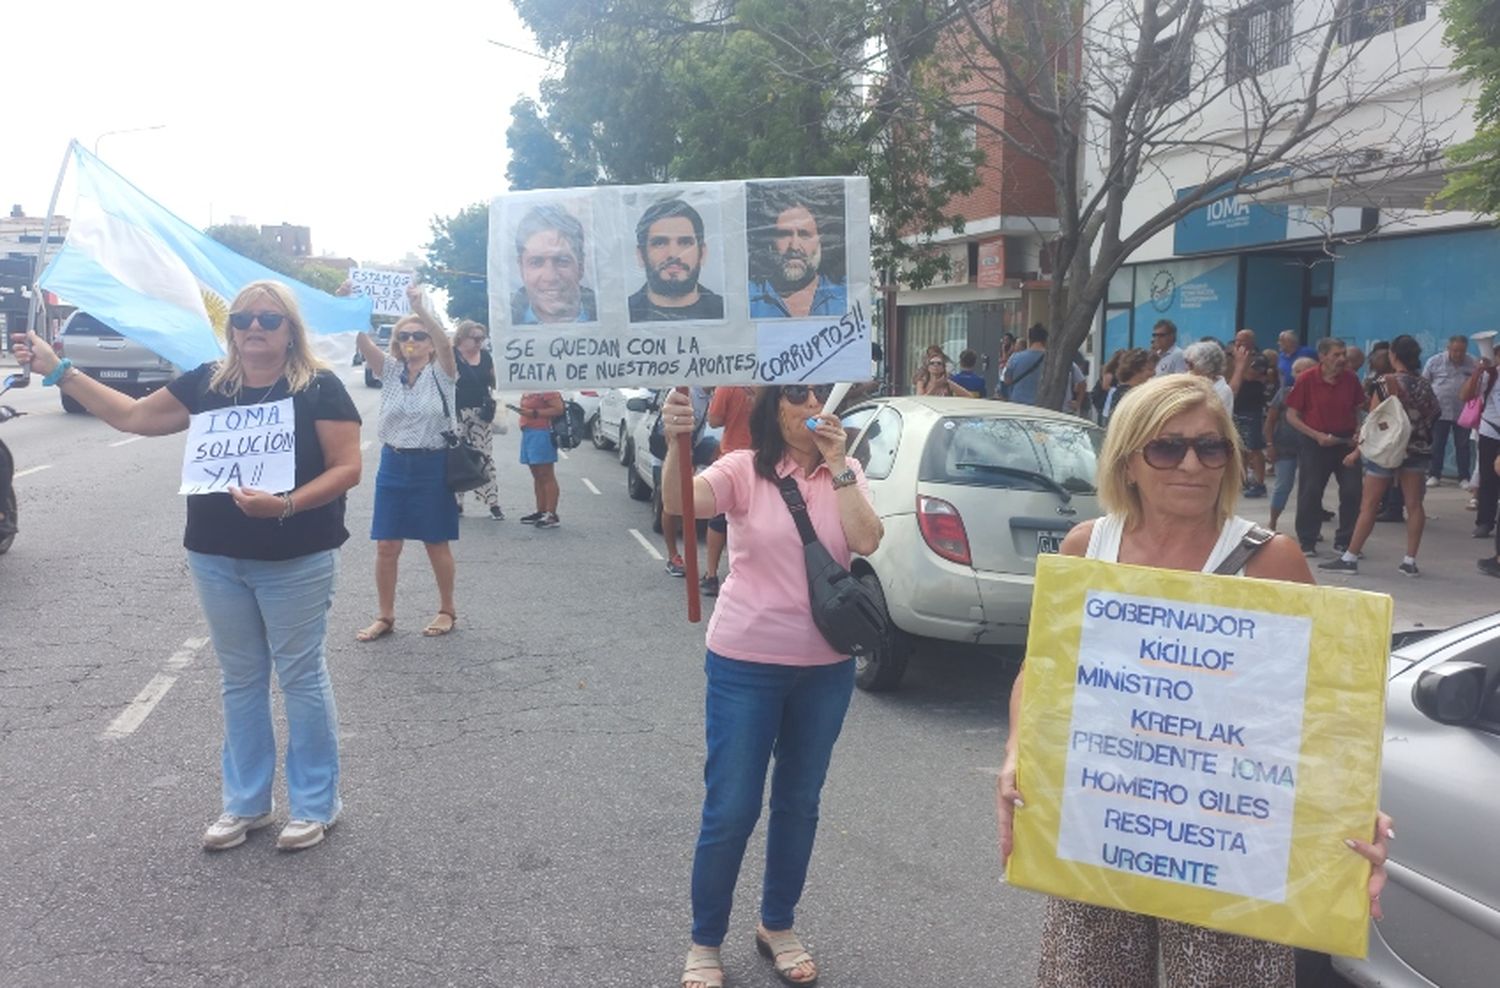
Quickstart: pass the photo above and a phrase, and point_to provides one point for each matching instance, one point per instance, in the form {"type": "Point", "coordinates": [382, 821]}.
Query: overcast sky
{"type": "Point", "coordinates": [357, 121]}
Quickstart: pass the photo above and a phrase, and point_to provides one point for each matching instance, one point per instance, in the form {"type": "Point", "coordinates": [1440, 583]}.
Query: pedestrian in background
{"type": "Point", "coordinates": [937, 383]}
{"type": "Point", "coordinates": [1286, 442]}
{"type": "Point", "coordinates": [1323, 406]}
{"type": "Point", "coordinates": [1133, 369]}
{"type": "Point", "coordinates": [1206, 360]}
{"type": "Point", "coordinates": [1248, 383]}
{"type": "Point", "coordinates": [774, 683]}
{"type": "Point", "coordinates": [418, 395]}
{"type": "Point", "coordinates": [535, 415]}
{"type": "Point", "coordinates": [1169, 478]}
{"type": "Point", "coordinates": [476, 408]}
{"type": "Point", "coordinates": [1447, 372]}
{"type": "Point", "coordinates": [1421, 406]}
{"type": "Point", "coordinates": [264, 564]}
{"type": "Point", "coordinates": [729, 410]}
{"type": "Point", "coordinates": [967, 378]}
{"type": "Point", "coordinates": [1481, 384]}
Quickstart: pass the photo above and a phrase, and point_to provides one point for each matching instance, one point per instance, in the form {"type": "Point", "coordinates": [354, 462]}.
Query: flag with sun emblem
{"type": "Point", "coordinates": [156, 279]}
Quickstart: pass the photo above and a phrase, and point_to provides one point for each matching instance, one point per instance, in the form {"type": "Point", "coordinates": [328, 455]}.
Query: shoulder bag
{"type": "Point", "coordinates": [1386, 431]}
{"type": "Point", "coordinates": [844, 610]}
{"type": "Point", "coordinates": [463, 465]}
{"type": "Point", "coordinates": [1239, 556]}
{"type": "Point", "coordinates": [1473, 410]}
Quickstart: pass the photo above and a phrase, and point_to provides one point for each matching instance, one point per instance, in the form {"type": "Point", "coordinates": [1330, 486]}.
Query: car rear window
{"type": "Point", "coordinates": [83, 324]}
{"type": "Point", "coordinates": [1014, 453]}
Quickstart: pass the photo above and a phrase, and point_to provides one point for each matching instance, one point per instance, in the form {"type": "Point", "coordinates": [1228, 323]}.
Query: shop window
{"type": "Point", "coordinates": [1367, 18]}
{"type": "Point", "coordinates": [1169, 74]}
{"type": "Point", "coordinates": [1260, 38]}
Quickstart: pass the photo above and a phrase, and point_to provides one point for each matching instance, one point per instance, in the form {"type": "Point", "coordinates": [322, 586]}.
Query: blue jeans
{"type": "Point", "coordinates": [1286, 481]}
{"type": "Point", "coordinates": [263, 615]}
{"type": "Point", "coordinates": [1441, 430]}
{"type": "Point", "coordinates": [753, 709]}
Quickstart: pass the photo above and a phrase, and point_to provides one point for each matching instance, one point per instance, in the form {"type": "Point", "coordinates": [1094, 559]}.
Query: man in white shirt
{"type": "Point", "coordinates": [1447, 372]}
{"type": "Point", "coordinates": [1169, 358]}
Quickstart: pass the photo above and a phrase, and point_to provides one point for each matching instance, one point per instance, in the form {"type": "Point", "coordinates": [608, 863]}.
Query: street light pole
{"type": "Point", "coordinates": [128, 130]}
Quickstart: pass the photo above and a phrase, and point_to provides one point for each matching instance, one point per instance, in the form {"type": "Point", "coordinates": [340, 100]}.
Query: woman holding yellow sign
{"type": "Point", "coordinates": [1169, 476]}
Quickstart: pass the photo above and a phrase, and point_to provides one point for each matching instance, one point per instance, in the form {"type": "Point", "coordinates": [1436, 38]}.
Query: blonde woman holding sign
{"type": "Point", "coordinates": [1169, 475]}
{"type": "Point", "coordinates": [264, 561]}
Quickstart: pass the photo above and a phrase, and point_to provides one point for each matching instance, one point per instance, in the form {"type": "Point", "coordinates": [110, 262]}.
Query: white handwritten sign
{"type": "Point", "coordinates": [252, 446]}
{"type": "Point", "coordinates": [1186, 734]}
{"type": "Point", "coordinates": [831, 349]}
{"type": "Point", "coordinates": [387, 289]}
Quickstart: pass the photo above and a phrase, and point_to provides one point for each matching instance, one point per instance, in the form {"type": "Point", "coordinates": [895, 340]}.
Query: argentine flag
{"type": "Point", "coordinates": [158, 280]}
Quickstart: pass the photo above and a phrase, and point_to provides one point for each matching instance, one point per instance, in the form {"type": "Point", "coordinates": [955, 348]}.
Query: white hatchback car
{"type": "Point", "coordinates": [970, 492]}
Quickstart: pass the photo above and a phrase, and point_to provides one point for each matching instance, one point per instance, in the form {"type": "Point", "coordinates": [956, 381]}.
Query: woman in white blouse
{"type": "Point", "coordinates": [412, 501]}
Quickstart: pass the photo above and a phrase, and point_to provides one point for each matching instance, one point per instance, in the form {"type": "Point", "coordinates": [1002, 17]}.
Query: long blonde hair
{"type": "Point", "coordinates": [1139, 418]}
{"type": "Point", "coordinates": [301, 365]}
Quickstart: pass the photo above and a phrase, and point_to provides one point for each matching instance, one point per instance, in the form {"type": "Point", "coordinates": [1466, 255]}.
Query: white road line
{"type": "Point", "coordinates": [137, 710]}
{"type": "Point", "coordinates": [126, 442]}
{"type": "Point", "coordinates": [647, 545]}
{"type": "Point", "coordinates": [31, 470]}
{"type": "Point", "coordinates": [590, 485]}
{"type": "Point", "coordinates": [564, 454]}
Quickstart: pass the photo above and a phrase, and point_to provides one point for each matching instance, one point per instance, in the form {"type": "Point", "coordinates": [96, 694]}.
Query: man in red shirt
{"type": "Point", "coordinates": [1324, 406]}
{"type": "Point", "coordinates": [729, 410]}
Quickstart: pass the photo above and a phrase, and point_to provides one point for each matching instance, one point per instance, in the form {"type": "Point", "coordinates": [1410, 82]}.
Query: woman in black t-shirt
{"type": "Point", "coordinates": [263, 552]}
{"type": "Point", "coordinates": [476, 406]}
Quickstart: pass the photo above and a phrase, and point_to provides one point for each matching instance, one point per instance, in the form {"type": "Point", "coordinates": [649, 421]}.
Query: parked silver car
{"type": "Point", "coordinates": [106, 356]}
{"type": "Point", "coordinates": [970, 492]}
{"type": "Point", "coordinates": [1440, 781]}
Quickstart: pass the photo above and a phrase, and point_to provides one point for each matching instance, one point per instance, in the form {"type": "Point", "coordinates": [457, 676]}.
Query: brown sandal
{"type": "Point", "coordinates": [786, 954]}
{"type": "Point", "coordinates": [378, 629]}
{"type": "Point", "coordinates": [703, 967]}
{"type": "Point", "coordinates": [434, 629]}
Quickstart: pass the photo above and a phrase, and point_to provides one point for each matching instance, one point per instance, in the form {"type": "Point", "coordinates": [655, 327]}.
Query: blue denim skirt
{"type": "Point", "coordinates": [412, 501]}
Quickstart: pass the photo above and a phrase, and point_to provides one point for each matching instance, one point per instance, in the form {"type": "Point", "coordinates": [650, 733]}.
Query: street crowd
{"type": "Point", "coordinates": [1185, 442]}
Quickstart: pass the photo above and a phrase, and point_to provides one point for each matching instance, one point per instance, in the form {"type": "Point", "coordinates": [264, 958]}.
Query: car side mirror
{"type": "Point", "coordinates": [1451, 693]}
{"type": "Point", "coordinates": [637, 405]}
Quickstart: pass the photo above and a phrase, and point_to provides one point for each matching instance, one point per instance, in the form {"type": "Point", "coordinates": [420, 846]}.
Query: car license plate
{"type": "Point", "coordinates": [1049, 542]}
{"type": "Point", "coordinates": [114, 375]}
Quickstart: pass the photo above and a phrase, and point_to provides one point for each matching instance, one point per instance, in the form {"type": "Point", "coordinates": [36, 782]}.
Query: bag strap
{"type": "Point", "coordinates": [1027, 372]}
{"type": "Point", "coordinates": [452, 419]}
{"type": "Point", "coordinates": [798, 507]}
{"type": "Point", "coordinates": [1249, 545]}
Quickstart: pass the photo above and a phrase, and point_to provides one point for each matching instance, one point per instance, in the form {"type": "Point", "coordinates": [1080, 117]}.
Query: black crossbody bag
{"type": "Point", "coordinates": [844, 609]}
{"type": "Point", "coordinates": [1250, 543]}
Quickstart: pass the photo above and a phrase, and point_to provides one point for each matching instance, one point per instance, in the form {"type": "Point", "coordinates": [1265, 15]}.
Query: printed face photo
{"type": "Point", "coordinates": [672, 247]}
{"type": "Point", "coordinates": [797, 266]}
{"type": "Point", "coordinates": [551, 266]}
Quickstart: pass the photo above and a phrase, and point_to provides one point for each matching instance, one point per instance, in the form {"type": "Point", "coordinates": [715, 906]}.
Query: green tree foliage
{"type": "Point", "coordinates": [319, 276]}
{"type": "Point", "coordinates": [1474, 34]}
{"type": "Point", "coordinates": [456, 261]}
{"type": "Point", "coordinates": [655, 91]}
{"type": "Point", "coordinates": [247, 242]}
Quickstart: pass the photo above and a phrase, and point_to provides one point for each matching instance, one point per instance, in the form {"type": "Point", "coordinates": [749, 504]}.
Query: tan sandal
{"type": "Point", "coordinates": [434, 629]}
{"type": "Point", "coordinates": [378, 629]}
{"type": "Point", "coordinates": [703, 967]}
{"type": "Point", "coordinates": [786, 953]}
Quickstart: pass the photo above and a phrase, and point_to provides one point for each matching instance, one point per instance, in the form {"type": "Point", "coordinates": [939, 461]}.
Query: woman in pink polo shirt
{"type": "Point", "coordinates": [774, 683]}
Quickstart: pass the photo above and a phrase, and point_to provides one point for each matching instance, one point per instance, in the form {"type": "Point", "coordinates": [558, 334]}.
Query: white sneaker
{"type": "Point", "coordinates": [230, 830]}
{"type": "Point", "coordinates": [1464, 485]}
{"type": "Point", "coordinates": [1434, 482]}
{"type": "Point", "coordinates": [298, 835]}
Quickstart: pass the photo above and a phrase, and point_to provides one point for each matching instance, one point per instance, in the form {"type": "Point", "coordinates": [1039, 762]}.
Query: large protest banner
{"type": "Point", "coordinates": [1197, 748]}
{"type": "Point", "coordinates": [386, 289]}
{"type": "Point", "coordinates": [692, 283]}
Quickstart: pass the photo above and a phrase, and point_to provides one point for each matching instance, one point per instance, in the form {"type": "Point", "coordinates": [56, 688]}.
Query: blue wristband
{"type": "Point", "coordinates": [57, 373]}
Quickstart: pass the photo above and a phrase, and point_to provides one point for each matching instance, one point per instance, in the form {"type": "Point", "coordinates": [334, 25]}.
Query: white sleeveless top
{"type": "Point", "coordinates": [1104, 540]}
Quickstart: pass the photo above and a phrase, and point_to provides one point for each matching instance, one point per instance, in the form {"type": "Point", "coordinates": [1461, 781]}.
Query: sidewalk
{"type": "Point", "coordinates": [1449, 591]}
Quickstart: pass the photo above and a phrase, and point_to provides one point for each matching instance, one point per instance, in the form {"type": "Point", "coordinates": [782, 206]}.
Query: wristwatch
{"type": "Point", "coordinates": [845, 479]}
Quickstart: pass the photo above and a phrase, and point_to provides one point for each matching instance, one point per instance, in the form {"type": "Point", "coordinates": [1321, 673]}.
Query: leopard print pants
{"type": "Point", "coordinates": [1085, 946]}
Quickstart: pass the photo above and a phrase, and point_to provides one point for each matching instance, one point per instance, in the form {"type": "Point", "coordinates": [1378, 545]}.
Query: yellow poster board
{"type": "Point", "coordinates": [1198, 747]}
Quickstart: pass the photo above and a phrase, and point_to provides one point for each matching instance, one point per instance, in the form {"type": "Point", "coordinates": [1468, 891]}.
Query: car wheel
{"type": "Point", "coordinates": [882, 669]}
{"type": "Point", "coordinates": [627, 454]}
{"type": "Point", "coordinates": [12, 516]}
{"type": "Point", "coordinates": [71, 406]}
{"type": "Point", "coordinates": [637, 488]}
{"type": "Point", "coordinates": [596, 433]}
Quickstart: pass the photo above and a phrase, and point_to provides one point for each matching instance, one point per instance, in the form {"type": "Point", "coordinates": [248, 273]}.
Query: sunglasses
{"type": "Point", "coordinates": [936, 363]}
{"type": "Point", "coordinates": [1164, 454]}
{"type": "Point", "coordinates": [269, 321]}
{"type": "Point", "coordinates": [797, 393]}
{"type": "Point", "coordinates": [417, 337]}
